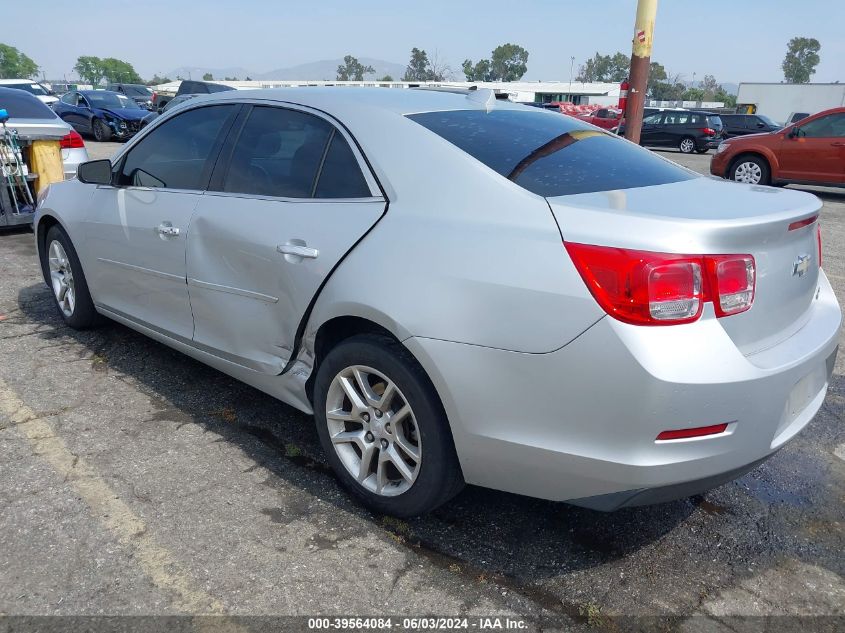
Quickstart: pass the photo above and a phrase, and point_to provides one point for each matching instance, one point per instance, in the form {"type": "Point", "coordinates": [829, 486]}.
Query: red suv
{"type": "Point", "coordinates": [811, 151]}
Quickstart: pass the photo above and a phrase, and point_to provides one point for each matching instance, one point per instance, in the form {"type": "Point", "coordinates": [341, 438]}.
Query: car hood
{"type": "Point", "coordinates": [124, 113]}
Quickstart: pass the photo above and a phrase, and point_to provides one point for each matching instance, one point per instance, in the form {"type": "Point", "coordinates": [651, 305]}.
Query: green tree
{"type": "Point", "coordinates": [15, 65]}
{"type": "Point", "coordinates": [418, 66]}
{"type": "Point", "coordinates": [802, 57]}
{"type": "Point", "coordinates": [352, 69]}
{"type": "Point", "coordinates": [605, 68]}
{"type": "Point", "coordinates": [722, 95]}
{"type": "Point", "coordinates": [208, 77]}
{"type": "Point", "coordinates": [508, 62]}
{"type": "Point", "coordinates": [156, 80]}
{"type": "Point", "coordinates": [386, 78]}
{"type": "Point", "coordinates": [119, 71]}
{"type": "Point", "coordinates": [709, 87]}
{"type": "Point", "coordinates": [90, 69]}
{"type": "Point", "coordinates": [656, 74]}
{"type": "Point", "coordinates": [693, 94]}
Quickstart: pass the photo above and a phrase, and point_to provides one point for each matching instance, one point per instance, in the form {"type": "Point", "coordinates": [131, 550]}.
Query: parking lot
{"type": "Point", "coordinates": [135, 480]}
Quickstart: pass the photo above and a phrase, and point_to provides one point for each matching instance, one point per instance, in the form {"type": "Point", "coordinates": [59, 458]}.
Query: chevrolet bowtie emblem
{"type": "Point", "coordinates": [800, 266]}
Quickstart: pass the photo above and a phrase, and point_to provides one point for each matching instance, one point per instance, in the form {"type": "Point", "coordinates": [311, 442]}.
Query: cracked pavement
{"type": "Point", "coordinates": [136, 481]}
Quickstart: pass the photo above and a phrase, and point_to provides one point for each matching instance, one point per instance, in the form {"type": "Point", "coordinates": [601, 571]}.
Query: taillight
{"type": "Point", "coordinates": [709, 131]}
{"type": "Point", "coordinates": [154, 97]}
{"type": "Point", "coordinates": [72, 141]}
{"type": "Point", "coordinates": [646, 288]}
{"type": "Point", "coordinates": [732, 278]}
{"type": "Point", "coordinates": [819, 240]}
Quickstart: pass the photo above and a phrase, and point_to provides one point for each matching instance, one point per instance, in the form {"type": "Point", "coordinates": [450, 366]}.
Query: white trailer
{"type": "Point", "coordinates": [779, 101]}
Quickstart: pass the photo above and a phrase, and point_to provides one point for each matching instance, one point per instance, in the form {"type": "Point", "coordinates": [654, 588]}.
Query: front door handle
{"type": "Point", "coordinates": [298, 250]}
{"type": "Point", "coordinates": [167, 229]}
{"type": "Point", "coordinates": [838, 144]}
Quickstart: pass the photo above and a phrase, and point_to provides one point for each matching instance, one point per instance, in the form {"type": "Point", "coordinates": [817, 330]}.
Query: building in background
{"type": "Point", "coordinates": [779, 101]}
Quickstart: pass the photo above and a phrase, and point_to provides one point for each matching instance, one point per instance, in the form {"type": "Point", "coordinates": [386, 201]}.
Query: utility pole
{"type": "Point", "coordinates": [640, 61]}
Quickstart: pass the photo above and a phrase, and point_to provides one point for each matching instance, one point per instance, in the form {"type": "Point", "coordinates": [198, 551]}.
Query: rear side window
{"type": "Point", "coordinates": [340, 176]}
{"type": "Point", "coordinates": [714, 121]}
{"type": "Point", "coordinates": [550, 154]}
{"type": "Point", "coordinates": [175, 155]}
{"type": "Point", "coordinates": [22, 105]}
{"type": "Point", "coordinates": [291, 154]}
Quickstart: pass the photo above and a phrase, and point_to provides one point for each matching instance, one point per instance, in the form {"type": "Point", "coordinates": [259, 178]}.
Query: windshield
{"type": "Point", "coordinates": [23, 106]}
{"type": "Point", "coordinates": [110, 100]}
{"type": "Point", "coordinates": [767, 120]}
{"type": "Point", "coordinates": [551, 154]}
{"type": "Point", "coordinates": [34, 89]}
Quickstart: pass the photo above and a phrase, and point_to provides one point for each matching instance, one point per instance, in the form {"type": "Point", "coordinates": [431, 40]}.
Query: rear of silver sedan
{"type": "Point", "coordinates": [718, 342]}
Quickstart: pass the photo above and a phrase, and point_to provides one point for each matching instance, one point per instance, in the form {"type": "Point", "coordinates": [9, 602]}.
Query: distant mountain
{"type": "Point", "coordinates": [196, 72]}
{"type": "Point", "coordinates": [327, 70]}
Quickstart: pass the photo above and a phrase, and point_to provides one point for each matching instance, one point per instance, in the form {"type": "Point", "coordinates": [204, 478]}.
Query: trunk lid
{"type": "Point", "coordinates": [709, 216]}
{"type": "Point", "coordinates": [32, 129]}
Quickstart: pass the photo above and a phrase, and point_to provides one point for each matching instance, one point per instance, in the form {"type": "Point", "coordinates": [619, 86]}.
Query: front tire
{"type": "Point", "coordinates": [687, 145]}
{"type": "Point", "coordinates": [101, 131]}
{"type": "Point", "coordinates": [383, 428]}
{"type": "Point", "coordinates": [752, 170]}
{"type": "Point", "coordinates": [63, 274]}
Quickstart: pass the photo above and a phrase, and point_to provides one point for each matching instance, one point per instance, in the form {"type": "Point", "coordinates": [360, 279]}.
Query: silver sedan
{"type": "Point", "coordinates": [461, 290]}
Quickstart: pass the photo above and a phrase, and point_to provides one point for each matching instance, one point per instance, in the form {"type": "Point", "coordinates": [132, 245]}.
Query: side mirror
{"type": "Point", "coordinates": [793, 132]}
{"type": "Point", "coordinates": [95, 172]}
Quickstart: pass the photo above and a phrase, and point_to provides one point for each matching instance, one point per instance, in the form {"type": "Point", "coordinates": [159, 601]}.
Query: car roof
{"type": "Point", "coordinates": [335, 100]}
{"type": "Point", "coordinates": [98, 92]}
{"type": "Point", "coordinates": [9, 82]}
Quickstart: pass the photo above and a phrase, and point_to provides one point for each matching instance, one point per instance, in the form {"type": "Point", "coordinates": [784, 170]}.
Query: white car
{"type": "Point", "coordinates": [32, 87]}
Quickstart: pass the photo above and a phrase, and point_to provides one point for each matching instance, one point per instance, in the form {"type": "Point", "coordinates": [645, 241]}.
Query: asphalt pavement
{"type": "Point", "coordinates": [136, 481]}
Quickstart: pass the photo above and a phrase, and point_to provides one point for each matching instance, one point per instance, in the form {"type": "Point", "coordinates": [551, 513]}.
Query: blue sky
{"type": "Point", "coordinates": [733, 40]}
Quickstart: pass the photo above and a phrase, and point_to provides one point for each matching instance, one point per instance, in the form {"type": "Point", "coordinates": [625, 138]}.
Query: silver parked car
{"type": "Point", "coordinates": [33, 120]}
{"type": "Point", "coordinates": [461, 290]}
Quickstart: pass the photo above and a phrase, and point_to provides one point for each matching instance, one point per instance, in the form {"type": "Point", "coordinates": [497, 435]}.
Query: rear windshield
{"type": "Point", "coordinates": [550, 154]}
{"type": "Point", "coordinates": [714, 121]}
{"type": "Point", "coordinates": [33, 88]}
{"type": "Point", "coordinates": [21, 105]}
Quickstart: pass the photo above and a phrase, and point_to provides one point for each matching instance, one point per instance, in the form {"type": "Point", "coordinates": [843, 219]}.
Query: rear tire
{"type": "Point", "coordinates": [63, 274]}
{"type": "Point", "coordinates": [101, 131]}
{"type": "Point", "coordinates": [687, 145]}
{"type": "Point", "coordinates": [752, 170]}
{"type": "Point", "coordinates": [393, 452]}
{"type": "Point", "coordinates": [702, 151]}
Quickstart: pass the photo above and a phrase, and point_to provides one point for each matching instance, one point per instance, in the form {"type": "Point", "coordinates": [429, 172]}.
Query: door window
{"type": "Point", "coordinates": [175, 155]}
{"type": "Point", "coordinates": [70, 98]}
{"type": "Point", "coordinates": [832, 125]}
{"type": "Point", "coordinates": [653, 119]}
{"type": "Point", "coordinates": [291, 154]}
{"type": "Point", "coordinates": [676, 118]}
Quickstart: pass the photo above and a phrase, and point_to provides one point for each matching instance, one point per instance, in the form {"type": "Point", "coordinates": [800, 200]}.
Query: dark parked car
{"type": "Point", "coordinates": [189, 87]}
{"type": "Point", "coordinates": [742, 124]}
{"type": "Point", "coordinates": [139, 93]}
{"type": "Point", "coordinates": [175, 101]}
{"type": "Point", "coordinates": [688, 130]}
{"type": "Point", "coordinates": [101, 113]}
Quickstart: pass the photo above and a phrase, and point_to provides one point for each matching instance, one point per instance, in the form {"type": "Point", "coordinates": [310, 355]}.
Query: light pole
{"type": "Point", "coordinates": [571, 66]}
{"type": "Point", "coordinates": [640, 60]}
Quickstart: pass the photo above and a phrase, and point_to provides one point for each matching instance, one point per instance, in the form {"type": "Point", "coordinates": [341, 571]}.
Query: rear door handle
{"type": "Point", "coordinates": [166, 228]}
{"type": "Point", "coordinates": [298, 250]}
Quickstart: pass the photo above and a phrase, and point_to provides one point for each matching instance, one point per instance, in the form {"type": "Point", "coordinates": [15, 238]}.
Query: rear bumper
{"type": "Point", "coordinates": [704, 143]}
{"type": "Point", "coordinates": [581, 423]}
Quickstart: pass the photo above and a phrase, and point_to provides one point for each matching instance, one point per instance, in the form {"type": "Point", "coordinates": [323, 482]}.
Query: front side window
{"type": "Point", "coordinates": [291, 154]}
{"type": "Point", "coordinates": [549, 154]}
{"type": "Point", "coordinates": [175, 154]}
{"type": "Point", "coordinates": [70, 98]}
{"type": "Point", "coordinates": [830, 126]}
{"type": "Point", "coordinates": [653, 119]}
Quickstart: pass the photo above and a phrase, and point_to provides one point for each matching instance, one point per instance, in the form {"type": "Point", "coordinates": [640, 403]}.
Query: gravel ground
{"type": "Point", "coordinates": [135, 481]}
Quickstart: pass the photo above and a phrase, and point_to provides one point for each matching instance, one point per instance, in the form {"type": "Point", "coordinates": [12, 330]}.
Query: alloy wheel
{"type": "Point", "coordinates": [687, 146]}
{"type": "Point", "coordinates": [61, 278]}
{"type": "Point", "coordinates": [373, 430]}
{"type": "Point", "coordinates": [748, 172]}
